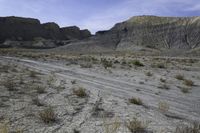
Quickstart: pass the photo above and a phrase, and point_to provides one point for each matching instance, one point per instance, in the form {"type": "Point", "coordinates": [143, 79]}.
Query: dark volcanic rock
{"type": "Point", "coordinates": [27, 29]}
{"type": "Point", "coordinates": [146, 31]}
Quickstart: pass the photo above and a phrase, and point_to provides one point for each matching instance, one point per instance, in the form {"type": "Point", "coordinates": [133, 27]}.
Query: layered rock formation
{"type": "Point", "coordinates": [145, 31]}
{"type": "Point", "coordinates": [28, 29]}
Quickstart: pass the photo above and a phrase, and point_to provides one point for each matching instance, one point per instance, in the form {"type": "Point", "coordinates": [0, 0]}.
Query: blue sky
{"type": "Point", "coordinates": [96, 14]}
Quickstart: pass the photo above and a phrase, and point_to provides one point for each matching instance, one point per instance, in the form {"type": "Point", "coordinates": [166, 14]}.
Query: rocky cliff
{"type": "Point", "coordinates": [28, 29]}
{"type": "Point", "coordinates": [145, 31]}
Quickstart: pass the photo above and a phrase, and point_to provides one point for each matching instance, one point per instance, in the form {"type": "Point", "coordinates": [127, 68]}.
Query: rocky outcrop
{"type": "Point", "coordinates": [146, 31]}
{"type": "Point", "coordinates": [159, 32]}
{"type": "Point", "coordinates": [28, 29]}
{"type": "Point", "coordinates": [74, 32]}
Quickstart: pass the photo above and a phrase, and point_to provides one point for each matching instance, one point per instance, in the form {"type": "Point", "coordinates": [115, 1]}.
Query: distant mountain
{"type": "Point", "coordinates": [182, 33]}
{"type": "Point", "coordinates": [17, 30]}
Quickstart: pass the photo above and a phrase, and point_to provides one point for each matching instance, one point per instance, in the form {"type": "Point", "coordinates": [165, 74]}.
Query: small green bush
{"type": "Point", "coordinates": [136, 101]}
{"type": "Point", "coordinates": [136, 63]}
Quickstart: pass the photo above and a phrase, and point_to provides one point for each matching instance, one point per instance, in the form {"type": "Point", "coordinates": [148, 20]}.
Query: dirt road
{"type": "Point", "coordinates": [182, 107]}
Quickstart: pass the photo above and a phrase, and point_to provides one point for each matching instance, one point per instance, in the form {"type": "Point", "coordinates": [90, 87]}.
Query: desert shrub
{"type": "Point", "coordinates": [86, 65]}
{"type": "Point", "coordinates": [4, 68]}
{"type": "Point", "coordinates": [21, 80]}
{"type": "Point", "coordinates": [33, 74]}
{"type": "Point", "coordinates": [136, 63]}
{"type": "Point", "coordinates": [162, 80]}
{"type": "Point", "coordinates": [185, 90]}
{"type": "Point", "coordinates": [37, 102]}
{"type": "Point", "coordinates": [76, 131]}
{"type": "Point", "coordinates": [116, 62]}
{"type": "Point", "coordinates": [106, 64]}
{"type": "Point", "coordinates": [47, 115]}
{"type": "Point", "coordinates": [61, 86]}
{"type": "Point", "coordinates": [163, 106]}
{"type": "Point", "coordinates": [179, 77]}
{"type": "Point", "coordinates": [9, 84]}
{"type": "Point", "coordinates": [164, 87]}
{"type": "Point", "coordinates": [193, 128]}
{"type": "Point", "coordinates": [80, 92]}
{"type": "Point", "coordinates": [51, 80]}
{"type": "Point", "coordinates": [17, 131]}
{"type": "Point", "coordinates": [136, 101]}
{"type": "Point", "coordinates": [149, 74]}
{"type": "Point", "coordinates": [99, 111]}
{"type": "Point", "coordinates": [188, 82]}
{"type": "Point", "coordinates": [124, 62]}
{"type": "Point", "coordinates": [160, 65]}
{"type": "Point", "coordinates": [40, 89]}
{"type": "Point", "coordinates": [4, 128]}
{"type": "Point", "coordinates": [112, 127]}
{"type": "Point", "coordinates": [136, 126]}
{"type": "Point", "coordinates": [73, 81]}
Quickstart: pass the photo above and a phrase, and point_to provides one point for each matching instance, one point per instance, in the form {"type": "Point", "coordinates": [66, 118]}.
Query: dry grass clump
{"type": "Point", "coordinates": [149, 74]}
{"type": "Point", "coordinates": [37, 102]}
{"type": "Point", "coordinates": [136, 126]}
{"type": "Point", "coordinates": [73, 82]}
{"type": "Point", "coordinates": [40, 89]}
{"type": "Point", "coordinates": [136, 101]}
{"type": "Point", "coordinates": [113, 127]}
{"type": "Point", "coordinates": [185, 90]}
{"type": "Point", "coordinates": [4, 68]}
{"type": "Point", "coordinates": [9, 84]}
{"type": "Point", "coordinates": [116, 62]}
{"type": "Point", "coordinates": [164, 87]}
{"type": "Point", "coordinates": [194, 128]}
{"type": "Point", "coordinates": [86, 65]}
{"type": "Point", "coordinates": [188, 82]}
{"type": "Point", "coordinates": [76, 131]}
{"type": "Point", "coordinates": [33, 74]}
{"type": "Point", "coordinates": [179, 77]}
{"type": "Point", "coordinates": [51, 80]}
{"type": "Point", "coordinates": [136, 63]}
{"type": "Point", "coordinates": [80, 92]}
{"type": "Point", "coordinates": [106, 64]}
{"type": "Point", "coordinates": [163, 106]}
{"type": "Point", "coordinates": [159, 65]}
{"type": "Point", "coordinates": [4, 128]}
{"type": "Point", "coordinates": [47, 115]}
{"type": "Point", "coordinates": [99, 112]}
{"type": "Point", "coordinates": [162, 80]}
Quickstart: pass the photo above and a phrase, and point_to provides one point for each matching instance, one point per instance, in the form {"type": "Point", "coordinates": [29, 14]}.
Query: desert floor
{"type": "Point", "coordinates": [98, 93]}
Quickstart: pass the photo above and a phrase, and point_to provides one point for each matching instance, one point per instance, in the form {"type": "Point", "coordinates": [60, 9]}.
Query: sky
{"type": "Point", "coordinates": [96, 15]}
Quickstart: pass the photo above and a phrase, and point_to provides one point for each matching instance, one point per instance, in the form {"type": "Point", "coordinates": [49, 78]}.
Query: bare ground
{"type": "Point", "coordinates": [166, 101]}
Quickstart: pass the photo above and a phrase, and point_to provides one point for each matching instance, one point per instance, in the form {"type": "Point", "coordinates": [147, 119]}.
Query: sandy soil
{"type": "Point", "coordinates": [167, 102]}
